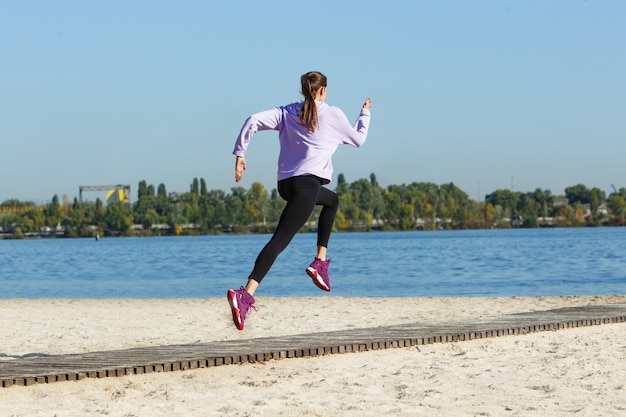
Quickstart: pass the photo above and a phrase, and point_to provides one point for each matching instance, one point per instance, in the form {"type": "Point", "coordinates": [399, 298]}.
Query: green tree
{"type": "Point", "coordinates": [213, 209]}
{"type": "Point", "coordinates": [426, 198]}
{"type": "Point", "coordinates": [489, 215]}
{"type": "Point", "coordinates": [580, 194]}
{"type": "Point", "coordinates": [77, 221]}
{"type": "Point", "coordinates": [349, 210]}
{"type": "Point", "coordinates": [342, 185]}
{"type": "Point", "coordinates": [257, 203]}
{"type": "Point", "coordinates": [53, 212]}
{"type": "Point", "coordinates": [191, 212]}
{"type": "Point", "coordinates": [176, 216]}
{"type": "Point", "coordinates": [195, 187]}
{"type": "Point", "coordinates": [162, 202]}
{"type": "Point", "coordinates": [88, 214]}
{"type": "Point", "coordinates": [407, 216]}
{"type": "Point", "coordinates": [545, 200]}
{"type": "Point", "coordinates": [454, 203]}
{"type": "Point", "coordinates": [368, 199]}
{"type": "Point", "coordinates": [617, 207]}
{"type": "Point", "coordinates": [118, 218]}
{"type": "Point", "coordinates": [32, 220]}
{"type": "Point", "coordinates": [15, 203]}
{"type": "Point", "coordinates": [393, 205]}
{"type": "Point", "coordinates": [145, 208]}
{"type": "Point", "coordinates": [506, 205]}
{"type": "Point", "coordinates": [528, 209]}
{"type": "Point", "coordinates": [142, 189]}
{"type": "Point", "coordinates": [577, 194]}
{"type": "Point", "coordinates": [99, 214]}
{"type": "Point", "coordinates": [276, 206]}
{"type": "Point", "coordinates": [235, 207]}
{"type": "Point", "coordinates": [506, 199]}
{"type": "Point", "coordinates": [597, 197]}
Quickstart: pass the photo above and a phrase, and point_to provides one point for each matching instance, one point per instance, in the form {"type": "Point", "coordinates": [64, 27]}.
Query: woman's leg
{"type": "Point", "coordinates": [318, 270]}
{"type": "Point", "coordinates": [301, 194]}
{"type": "Point", "coordinates": [330, 202]}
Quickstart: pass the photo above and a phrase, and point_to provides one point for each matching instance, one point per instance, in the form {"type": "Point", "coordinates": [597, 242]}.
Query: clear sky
{"type": "Point", "coordinates": [487, 95]}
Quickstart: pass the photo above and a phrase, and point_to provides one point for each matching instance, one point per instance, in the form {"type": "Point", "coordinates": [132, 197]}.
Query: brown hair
{"type": "Point", "coordinates": [311, 82]}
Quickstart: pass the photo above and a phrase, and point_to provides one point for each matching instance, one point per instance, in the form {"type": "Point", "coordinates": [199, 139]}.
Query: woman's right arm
{"type": "Point", "coordinates": [356, 134]}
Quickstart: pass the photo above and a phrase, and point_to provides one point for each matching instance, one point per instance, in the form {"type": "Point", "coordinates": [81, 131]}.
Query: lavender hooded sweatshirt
{"type": "Point", "coordinates": [303, 152]}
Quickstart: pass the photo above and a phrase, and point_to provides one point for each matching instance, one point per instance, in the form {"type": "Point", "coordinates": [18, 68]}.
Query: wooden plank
{"type": "Point", "coordinates": [73, 367]}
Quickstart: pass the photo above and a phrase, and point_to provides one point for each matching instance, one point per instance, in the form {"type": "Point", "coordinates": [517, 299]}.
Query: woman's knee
{"type": "Point", "coordinates": [329, 199]}
{"type": "Point", "coordinates": [334, 201]}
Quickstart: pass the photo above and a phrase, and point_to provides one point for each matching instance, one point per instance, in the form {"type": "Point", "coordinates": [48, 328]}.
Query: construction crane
{"type": "Point", "coordinates": [121, 192]}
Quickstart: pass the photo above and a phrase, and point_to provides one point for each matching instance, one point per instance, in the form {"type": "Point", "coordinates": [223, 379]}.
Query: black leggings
{"type": "Point", "coordinates": [302, 195]}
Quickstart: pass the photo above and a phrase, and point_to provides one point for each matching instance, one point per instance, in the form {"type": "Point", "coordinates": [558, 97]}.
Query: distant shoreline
{"type": "Point", "coordinates": [162, 233]}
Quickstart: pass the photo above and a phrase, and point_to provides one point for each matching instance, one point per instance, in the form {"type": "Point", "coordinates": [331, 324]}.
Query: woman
{"type": "Point", "coordinates": [309, 133]}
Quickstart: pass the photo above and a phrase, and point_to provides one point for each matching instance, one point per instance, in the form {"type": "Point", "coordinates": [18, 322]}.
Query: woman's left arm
{"type": "Point", "coordinates": [265, 120]}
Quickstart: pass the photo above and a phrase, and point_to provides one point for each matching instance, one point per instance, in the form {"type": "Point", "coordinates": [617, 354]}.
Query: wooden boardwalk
{"type": "Point", "coordinates": [53, 368]}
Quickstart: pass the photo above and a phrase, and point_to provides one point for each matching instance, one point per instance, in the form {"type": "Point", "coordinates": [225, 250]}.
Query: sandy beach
{"type": "Point", "coordinates": [579, 371]}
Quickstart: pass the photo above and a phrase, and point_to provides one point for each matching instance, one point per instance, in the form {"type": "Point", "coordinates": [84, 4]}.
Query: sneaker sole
{"type": "Point", "coordinates": [317, 280]}
{"type": "Point", "coordinates": [234, 307]}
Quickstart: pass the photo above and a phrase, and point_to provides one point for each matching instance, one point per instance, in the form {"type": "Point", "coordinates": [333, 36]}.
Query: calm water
{"type": "Point", "coordinates": [451, 263]}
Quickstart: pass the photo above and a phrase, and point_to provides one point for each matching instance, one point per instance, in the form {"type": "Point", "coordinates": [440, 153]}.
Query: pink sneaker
{"type": "Point", "coordinates": [318, 271]}
{"type": "Point", "coordinates": [240, 303]}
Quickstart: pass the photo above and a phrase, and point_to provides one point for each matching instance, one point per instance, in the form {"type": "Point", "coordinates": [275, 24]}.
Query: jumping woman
{"type": "Point", "coordinates": [309, 132]}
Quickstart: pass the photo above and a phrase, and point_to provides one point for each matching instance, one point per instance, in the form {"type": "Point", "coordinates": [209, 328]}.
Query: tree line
{"type": "Point", "coordinates": [363, 205]}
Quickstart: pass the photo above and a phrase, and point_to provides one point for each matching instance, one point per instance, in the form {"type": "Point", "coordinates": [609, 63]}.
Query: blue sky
{"type": "Point", "coordinates": [485, 94]}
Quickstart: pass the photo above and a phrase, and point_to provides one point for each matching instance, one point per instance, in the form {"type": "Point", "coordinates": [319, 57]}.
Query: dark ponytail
{"type": "Point", "coordinates": [311, 82]}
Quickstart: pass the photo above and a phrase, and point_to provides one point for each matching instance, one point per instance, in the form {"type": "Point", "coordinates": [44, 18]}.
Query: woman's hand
{"type": "Point", "coordinates": [368, 104]}
{"type": "Point", "coordinates": [240, 167]}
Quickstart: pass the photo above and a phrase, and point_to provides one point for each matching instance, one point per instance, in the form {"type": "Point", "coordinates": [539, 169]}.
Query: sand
{"type": "Point", "coordinates": [579, 371]}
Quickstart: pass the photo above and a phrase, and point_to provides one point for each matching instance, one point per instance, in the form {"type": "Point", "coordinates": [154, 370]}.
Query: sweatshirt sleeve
{"type": "Point", "coordinates": [265, 120]}
{"type": "Point", "coordinates": [356, 134]}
